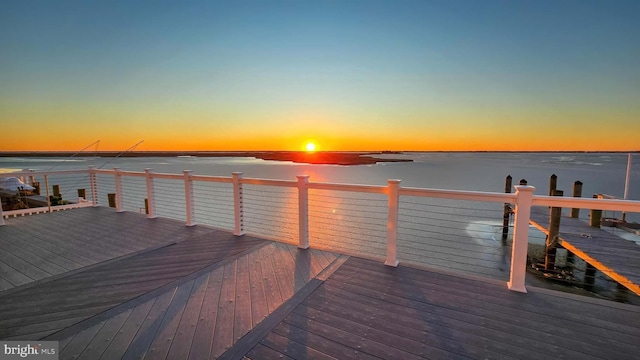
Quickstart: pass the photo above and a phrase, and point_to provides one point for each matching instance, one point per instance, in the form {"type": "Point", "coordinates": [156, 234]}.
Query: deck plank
{"type": "Point", "coordinates": [22, 266]}
{"type": "Point", "coordinates": [95, 349]}
{"type": "Point", "coordinates": [262, 352]}
{"type": "Point", "coordinates": [181, 344]}
{"type": "Point", "coordinates": [225, 320]}
{"type": "Point", "coordinates": [203, 337]}
{"type": "Point", "coordinates": [149, 327]}
{"type": "Point", "coordinates": [122, 340]}
{"type": "Point", "coordinates": [290, 349]}
{"type": "Point", "coordinates": [259, 306]}
{"type": "Point", "coordinates": [159, 348]}
{"type": "Point", "coordinates": [242, 316]}
{"type": "Point", "coordinates": [273, 296]}
{"type": "Point", "coordinates": [284, 270]}
{"type": "Point", "coordinates": [322, 338]}
{"type": "Point", "coordinates": [80, 341]}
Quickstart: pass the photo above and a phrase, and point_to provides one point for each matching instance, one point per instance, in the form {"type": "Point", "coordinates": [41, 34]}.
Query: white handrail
{"type": "Point", "coordinates": [587, 203]}
{"type": "Point", "coordinates": [458, 194]}
{"type": "Point", "coordinates": [348, 187]}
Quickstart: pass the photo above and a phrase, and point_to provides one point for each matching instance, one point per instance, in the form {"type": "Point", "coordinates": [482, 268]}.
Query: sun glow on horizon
{"type": "Point", "coordinates": [310, 146]}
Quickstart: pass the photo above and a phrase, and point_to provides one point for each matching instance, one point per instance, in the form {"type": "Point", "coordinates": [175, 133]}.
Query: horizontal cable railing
{"type": "Point", "coordinates": [271, 211]}
{"type": "Point", "coordinates": [454, 234]}
{"type": "Point", "coordinates": [348, 222]}
{"type": "Point", "coordinates": [454, 229]}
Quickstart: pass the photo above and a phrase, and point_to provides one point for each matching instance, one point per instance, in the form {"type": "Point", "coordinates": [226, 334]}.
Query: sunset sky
{"type": "Point", "coordinates": [349, 75]}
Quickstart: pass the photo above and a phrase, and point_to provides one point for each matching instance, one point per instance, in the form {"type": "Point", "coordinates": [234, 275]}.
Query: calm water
{"type": "Point", "coordinates": [600, 172]}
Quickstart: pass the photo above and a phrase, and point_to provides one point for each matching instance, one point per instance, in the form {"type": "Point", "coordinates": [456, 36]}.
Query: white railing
{"type": "Point", "coordinates": [291, 223]}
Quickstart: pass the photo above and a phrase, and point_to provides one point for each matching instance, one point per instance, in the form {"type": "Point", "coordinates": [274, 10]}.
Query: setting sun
{"type": "Point", "coordinates": [310, 146]}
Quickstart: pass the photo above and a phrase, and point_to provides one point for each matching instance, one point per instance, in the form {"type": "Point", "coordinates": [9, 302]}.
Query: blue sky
{"type": "Point", "coordinates": [427, 75]}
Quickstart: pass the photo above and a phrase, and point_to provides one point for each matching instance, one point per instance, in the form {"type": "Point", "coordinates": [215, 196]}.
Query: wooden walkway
{"type": "Point", "coordinates": [214, 295]}
{"type": "Point", "coordinates": [614, 256]}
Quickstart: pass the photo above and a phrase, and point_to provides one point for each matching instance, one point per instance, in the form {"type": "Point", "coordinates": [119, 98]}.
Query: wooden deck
{"type": "Point", "coordinates": [213, 295]}
{"type": "Point", "coordinates": [38, 247]}
{"type": "Point", "coordinates": [616, 257]}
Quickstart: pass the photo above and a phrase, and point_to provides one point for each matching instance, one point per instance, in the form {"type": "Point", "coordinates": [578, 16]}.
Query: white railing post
{"type": "Point", "coordinates": [303, 211]}
{"type": "Point", "coordinates": [237, 204]}
{"type": "Point", "coordinates": [119, 190]}
{"type": "Point", "coordinates": [93, 182]}
{"type": "Point", "coordinates": [188, 196]}
{"type": "Point", "coordinates": [393, 198]}
{"type": "Point", "coordinates": [523, 201]}
{"type": "Point", "coordinates": [151, 194]}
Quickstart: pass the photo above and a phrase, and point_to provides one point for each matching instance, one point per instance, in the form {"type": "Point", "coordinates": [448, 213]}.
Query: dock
{"type": "Point", "coordinates": [117, 285]}
{"type": "Point", "coordinates": [614, 256]}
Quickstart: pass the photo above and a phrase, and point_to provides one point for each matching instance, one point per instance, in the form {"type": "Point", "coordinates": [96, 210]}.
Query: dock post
{"type": "Point", "coordinates": [56, 191]}
{"type": "Point", "coordinates": [46, 185]}
{"type": "Point", "coordinates": [188, 197]}
{"type": "Point", "coordinates": [626, 185]}
{"type": "Point", "coordinates": [507, 211]}
{"type": "Point", "coordinates": [303, 211]}
{"type": "Point", "coordinates": [36, 185]}
{"type": "Point", "coordinates": [577, 192]}
{"type": "Point", "coordinates": [596, 216]}
{"type": "Point", "coordinates": [589, 277]}
{"type": "Point", "coordinates": [524, 199]}
{"type": "Point", "coordinates": [111, 198]}
{"type": "Point", "coordinates": [553, 183]}
{"type": "Point", "coordinates": [93, 182]}
{"type": "Point", "coordinates": [392, 221]}
{"type": "Point", "coordinates": [151, 195]}
{"type": "Point", "coordinates": [119, 190]}
{"type": "Point", "coordinates": [82, 193]}
{"type": "Point", "coordinates": [237, 204]}
{"type": "Point", "coordinates": [1, 216]}
{"type": "Point", "coordinates": [552, 239]}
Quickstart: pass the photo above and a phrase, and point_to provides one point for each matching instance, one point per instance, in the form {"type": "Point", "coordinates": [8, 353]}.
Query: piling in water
{"type": "Point", "coordinates": [112, 199]}
{"type": "Point", "coordinates": [552, 239]}
{"type": "Point", "coordinates": [507, 211]}
{"type": "Point", "coordinates": [577, 192]}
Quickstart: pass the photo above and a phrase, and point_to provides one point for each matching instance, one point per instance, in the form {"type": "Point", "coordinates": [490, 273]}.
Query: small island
{"type": "Point", "coordinates": [330, 158]}
{"type": "Point", "coordinates": [319, 157]}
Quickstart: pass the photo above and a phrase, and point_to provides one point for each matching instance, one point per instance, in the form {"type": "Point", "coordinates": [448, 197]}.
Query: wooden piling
{"type": "Point", "coordinates": [56, 190]}
{"type": "Point", "coordinates": [112, 199]}
{"type": "Point", "coordinates": [552, 239]}
{"type": "Point", "coordinates": [596, 216]}
{"type": "Point", "coordinates": [589, 277]}
{"type": "Point", "coordinates": [523, 182]}
{"type": "Point", "coordinates": [36, 185]}
{"type": "Point", "coordinates": [507, 211]}
{"type": "Point", "coordinates": [553, 183]}
{"type": "Point", "coordinates": [577, 192]}
{"type": "Point", "coordinates": [82, 193]}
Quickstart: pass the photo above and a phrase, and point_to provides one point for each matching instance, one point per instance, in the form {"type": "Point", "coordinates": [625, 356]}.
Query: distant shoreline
{"type": "Point", "coordinates": [320, 157]}
{"type": "Point", "coordinates": [328, 158]}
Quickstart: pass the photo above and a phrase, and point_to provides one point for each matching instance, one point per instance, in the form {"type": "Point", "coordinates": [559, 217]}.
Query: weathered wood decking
{"type": "Point", "coordinates": [211, 294]}
{"type": "Point", "coordinates": [37, 247]}
{"type": "Point", "coordinates": [611, 254]}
